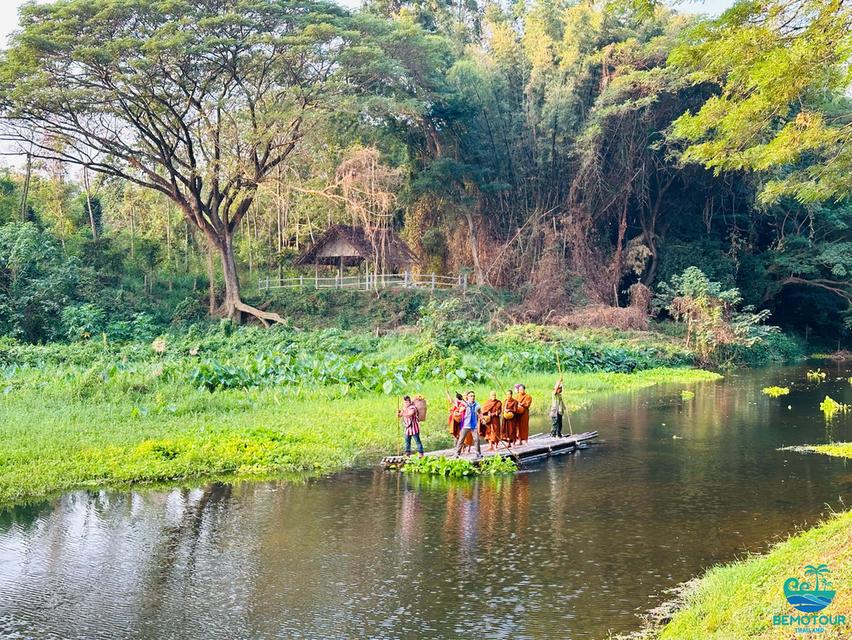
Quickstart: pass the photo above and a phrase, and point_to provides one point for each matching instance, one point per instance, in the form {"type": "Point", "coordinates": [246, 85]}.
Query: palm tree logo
{"type": "Point", "coordinates": [817, 572]}
{"type": "Point", "coordinates": [807, 598]}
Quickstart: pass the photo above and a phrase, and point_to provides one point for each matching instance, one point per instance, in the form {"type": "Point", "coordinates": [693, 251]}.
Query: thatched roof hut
{"type": "Point", "coordinates": [346, 246]}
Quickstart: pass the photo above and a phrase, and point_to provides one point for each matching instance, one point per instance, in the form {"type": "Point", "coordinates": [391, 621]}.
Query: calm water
{"type": "Point", "coordinates": [569, 549]}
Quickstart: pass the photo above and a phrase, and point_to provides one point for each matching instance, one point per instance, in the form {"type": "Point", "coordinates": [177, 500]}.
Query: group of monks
{"type": "Point", "coordinates": [506, 421]}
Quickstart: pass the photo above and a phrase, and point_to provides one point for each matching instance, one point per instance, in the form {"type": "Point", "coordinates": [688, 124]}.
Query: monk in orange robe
{"type": "Point", "coordinates": [523, 412]}
{"type": "Point", "coordinates": [510, 425]}
{"type": "Point", "coordinates": [490, 423]}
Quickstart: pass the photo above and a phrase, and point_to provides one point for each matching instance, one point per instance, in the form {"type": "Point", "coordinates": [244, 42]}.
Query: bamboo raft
{"type": "Point", "coordinates": [537, 448]}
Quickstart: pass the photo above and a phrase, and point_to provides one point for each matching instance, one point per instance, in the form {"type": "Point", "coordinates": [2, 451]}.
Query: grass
{"type": "Point", "coordinates": [740, 600]}
{"type": "Point", "coordinates": [61, 428]}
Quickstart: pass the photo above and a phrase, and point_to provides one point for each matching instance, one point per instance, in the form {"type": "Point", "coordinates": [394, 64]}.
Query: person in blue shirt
{"type": "Point", "coordinates": [470, 424]}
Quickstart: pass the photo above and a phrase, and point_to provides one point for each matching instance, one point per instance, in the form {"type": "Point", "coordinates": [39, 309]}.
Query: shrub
{"type": "Point", "coordinates": [82, 321]}
{"type": "Point", "coordinates": [188, 311]}
{"type": "Point", "coordinates": [713, 323]}
{"type": "Point", "coordinates": [141, 326]}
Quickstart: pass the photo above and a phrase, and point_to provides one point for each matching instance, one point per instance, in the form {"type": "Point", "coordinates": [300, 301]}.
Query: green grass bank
{"type": "Point", "coordinates": [739, 600]}
{"type": "Point", "coordinates": [249, 402]}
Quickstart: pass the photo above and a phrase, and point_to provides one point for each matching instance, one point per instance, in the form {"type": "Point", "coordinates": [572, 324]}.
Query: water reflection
{"type": "Point", "coordinates": [573, 548]}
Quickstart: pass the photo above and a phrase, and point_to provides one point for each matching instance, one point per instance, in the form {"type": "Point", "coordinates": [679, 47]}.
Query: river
{"type": "Point", "coordinates": [572, 548]}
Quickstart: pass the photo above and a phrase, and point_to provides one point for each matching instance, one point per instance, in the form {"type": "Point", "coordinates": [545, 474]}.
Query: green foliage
{"type": "Point", "coordinates": [492, 115]}
{"type": "Point", "coordinates": [710, 314]}
{"type": "Point", "coordinates": [779, 65]}
{"type": "Point", "coordinates": [36, 282]}
{"type": "Point", "coordinates": [772, 348]}
{"type": "Point", "coordinates": [447, 323]}
{"type": "Point", "coordinates": [496, 465]}
{"type": "Point", "coordinates": [459, 467]}
{"type": "Point", "coordinates": [81, 322]}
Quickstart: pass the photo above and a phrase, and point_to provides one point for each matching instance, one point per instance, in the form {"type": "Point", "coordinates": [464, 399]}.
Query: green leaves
{"type": "Point", "coordinates": [779, 67]}
{"type": "Point", "coordinates": [459, 467]}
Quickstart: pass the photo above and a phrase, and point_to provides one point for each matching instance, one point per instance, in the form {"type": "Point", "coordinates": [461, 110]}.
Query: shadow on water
{"type": "Point", "coordinates": [572, 548]}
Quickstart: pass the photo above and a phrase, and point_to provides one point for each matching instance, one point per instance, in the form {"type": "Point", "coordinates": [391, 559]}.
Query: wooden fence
{"type": "Point", "coordinates": [366, 282]}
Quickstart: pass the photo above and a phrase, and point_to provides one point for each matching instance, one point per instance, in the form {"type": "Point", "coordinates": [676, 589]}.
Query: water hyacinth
{"type": "Point", "coordinates": [774, 392]}
{"type": "Point", "coordinates": [830, 407]}
{"type": "Point", "coordinates": [459, 467]}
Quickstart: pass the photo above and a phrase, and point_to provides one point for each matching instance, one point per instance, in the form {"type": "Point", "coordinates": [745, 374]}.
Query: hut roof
{"type": "Point", "coordinates": [351, 244]}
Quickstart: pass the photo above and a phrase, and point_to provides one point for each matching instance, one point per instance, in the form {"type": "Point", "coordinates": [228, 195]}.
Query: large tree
{"type": "Point", "coordinates": [782, 73]}
{"type": "Point", "coordinates": [200, 100]}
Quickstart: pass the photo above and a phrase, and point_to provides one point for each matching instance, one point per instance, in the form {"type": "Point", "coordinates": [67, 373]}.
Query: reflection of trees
{"type": "Point", "coordinates": [25, 516]}
{"type": "Point", "coordinates": [173, 559]}
{"type": "Point", "coordinates": [409, 521]}
{"type": "Point", "coordinates": [568, 542]}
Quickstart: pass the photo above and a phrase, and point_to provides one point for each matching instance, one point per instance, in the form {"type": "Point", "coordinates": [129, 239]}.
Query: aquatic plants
{"type": "Point", "coordinates": [815, 376]}
{"type": "Point", "coordinates": [775, 392]}
{"type": "Point", "coordinates": [830, 407]}
{"type": "Point", "coordinates": [459, 467]}
{"type": "Point", "coordinates": [440, 465]}
{"type": "Point", "coordinates": [496, 465]}
{"type": "Point", "coordinates": [836, 449]}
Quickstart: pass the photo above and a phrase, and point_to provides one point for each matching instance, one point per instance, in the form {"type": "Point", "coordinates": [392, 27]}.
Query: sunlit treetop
{"type": "Point", "coordinates": [783, 73]}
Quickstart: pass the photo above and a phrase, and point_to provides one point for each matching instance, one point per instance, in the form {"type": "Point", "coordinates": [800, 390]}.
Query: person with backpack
{"type": "Point", "coordinates": [420, 403]}
{"type": "Point", "coordinates": [411, 422]}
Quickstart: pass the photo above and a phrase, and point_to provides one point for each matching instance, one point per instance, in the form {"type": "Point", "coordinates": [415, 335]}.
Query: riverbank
{"type": "Point", "coordinates": [235, 400]}
{"type": "Point", "coordinates": [61, 428]}
{"type": "Point", "coordinates": [742, 599]}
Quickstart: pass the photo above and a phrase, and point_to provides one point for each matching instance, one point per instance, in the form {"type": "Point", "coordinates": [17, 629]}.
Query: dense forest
{"type": "Point", "coordinates": [169, 154]}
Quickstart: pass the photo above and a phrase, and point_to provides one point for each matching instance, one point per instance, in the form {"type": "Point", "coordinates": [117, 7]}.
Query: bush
{"type": "Point", "coordinates": [82, 321]}
{"type": "Point", "coordinates": [141, 326]}
{"type": "Point", "coordinates": [713, 322]}
{"type": "Point", "coordinates": [447, 324]}
{"type": "Point", "coordinates": [771, 349]}
{"type": "Point", "coordinates": [188, 311]}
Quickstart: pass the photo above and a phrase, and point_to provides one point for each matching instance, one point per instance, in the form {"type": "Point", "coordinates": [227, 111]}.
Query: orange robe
{"type": "Point", "coordinates": [524, 402]}
{"type": "Point", "coordinates": [455, 427]}
{"type": "Point", "coordinates": [491, 429]}
{"type": "Point", "coordinates": [510, 426]}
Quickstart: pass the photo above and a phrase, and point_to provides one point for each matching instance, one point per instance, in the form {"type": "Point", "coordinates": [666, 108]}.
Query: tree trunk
{"type": "Point", "coordinates": [474, 249]}
{"type": "Point", "coordinates": [88, 188]}
{"type": "Point", "coordinates": [232, 280]}
{"type": "Point", "coordinates": [25, 194]}
{"type": "Point", "coordinates": [211, 279]}
{"type": "Point", "coordinates": [232, 306]}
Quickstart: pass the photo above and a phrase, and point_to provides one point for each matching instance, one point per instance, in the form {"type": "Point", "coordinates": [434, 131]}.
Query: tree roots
{"type": "Point", "coordinates": [266, 317]}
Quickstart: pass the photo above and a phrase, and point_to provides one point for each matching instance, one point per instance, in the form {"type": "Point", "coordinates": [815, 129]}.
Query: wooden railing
{"type": "Point", "coordinates": [366, 282]}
